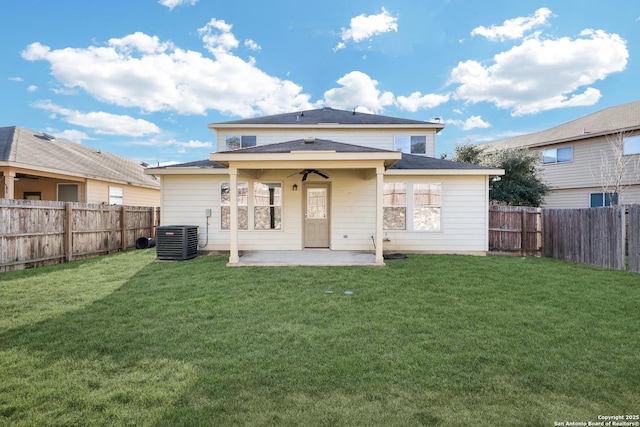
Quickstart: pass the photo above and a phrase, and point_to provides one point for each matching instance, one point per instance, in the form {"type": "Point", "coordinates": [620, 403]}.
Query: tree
{"type": "Point", "coordinates": [521, 184]}
{"type": "Point", "coordinates": [468, 153]}
{"type": "Point", "coordinates": [615, 170]}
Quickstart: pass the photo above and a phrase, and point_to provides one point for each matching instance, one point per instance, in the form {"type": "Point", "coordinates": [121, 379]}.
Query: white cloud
{"type": "Point", "coordinates": [252, 45]}
{"type": "Point", "coordinates": [514, 28]}
{"type": "Point", "coordinates": [32, 88]}
{"type": "Point", "coordinates": [143, 72]}
{"type": "Point", "coordinates": [72, 135]}
{"type": "Point", "coordinates": [217, 37]}
{"type": "Point", "coordinates": [171, 4]}
{"type": "Point", "coordinates": [473, 122]}
{"type": "Point", "coordinates": [417, 101]}
{"type": "Point", "coordinates": [101, 122]}
{"type": "Point", "coordinates": [159, 142]}
{"type": "Point", "coordinates": [363, 27]}
{"type": "Point", "coordinates": [358, 90]}
{"type": "Point", "coordinates": [540, 75]}
{"type": "Point", "coordinates": [15, 79]}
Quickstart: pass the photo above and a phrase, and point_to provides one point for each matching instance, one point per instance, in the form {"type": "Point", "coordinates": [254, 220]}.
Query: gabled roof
{"type": "Point", "coordinates": [407, 161]}
{"type": "Point", "coordinates": [327, 115]}
{"type": "Point", "coordinates": [411, 161]}
{"type": "Point", "coordinates": [26, 148]}
{"type": "Point", "coordinates": [311, 144]}
{"type": "Point", "coordinates": [621, 118]}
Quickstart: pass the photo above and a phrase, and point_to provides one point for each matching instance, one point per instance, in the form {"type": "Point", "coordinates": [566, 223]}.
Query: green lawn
{"type": "Point", "coordinates": [430, 340]}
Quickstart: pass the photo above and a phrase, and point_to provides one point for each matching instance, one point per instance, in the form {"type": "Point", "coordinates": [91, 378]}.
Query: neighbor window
{"type": "Point", "coordinates": [68, 192]}
{"type": "Point", "coordinates": [235, 142]}
{"type": "Point", "coordinates": [32, 195]}
{"type": "Point", "coordinates": [394, 201]}
{"type": "Point", "coordinates": [557, 155]}
{"type": "Point", "coordinates": [225, 206]}
{"type": "Point", "coordinates": [116, 195]}
{"type": "Point", "coordinates": [632, 145]}
{"type": "Point", "coordinates": [267, 206]}
{"type": "Point", "coordinates": [426, 207]}
{"type": "Point", "coordinates": [411, 144]}
{"type": "Point", "coordinates": [603, 199]}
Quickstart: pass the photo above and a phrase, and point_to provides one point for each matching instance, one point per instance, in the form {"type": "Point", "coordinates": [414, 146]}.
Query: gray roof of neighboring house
{"type": "Point", "coordinates": [24, 146]}
{"type": "Point", "coordinates": [408, 161]}
{"type": "Point", "coordinates": [328, 115]}
{"type": "Point", "coordinates": [623, 117]}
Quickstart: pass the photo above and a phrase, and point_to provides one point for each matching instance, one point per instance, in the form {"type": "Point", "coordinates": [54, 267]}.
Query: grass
{"type": "Point", "coordinates": [430, 340]}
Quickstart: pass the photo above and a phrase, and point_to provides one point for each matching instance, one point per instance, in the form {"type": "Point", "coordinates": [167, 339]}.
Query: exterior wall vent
{"type": "Point", "coordinates": [176, 242]}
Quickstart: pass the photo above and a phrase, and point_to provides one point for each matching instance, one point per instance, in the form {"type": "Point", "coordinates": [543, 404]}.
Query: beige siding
{"type": "Point", "coordinates": [580, 198]}
{"type": "Point", "coordinates": [382, 139]}
{"type": "Point", "coordinates": [98, 192]}
{"type": "Point", "coordinates": [463, 219]}
{"type": "Point", "coordinates": [588, 166]}
{"type": "Point", "coordinates": [352, 213]}
{"type": "Point", "coordinates": [47, 187]}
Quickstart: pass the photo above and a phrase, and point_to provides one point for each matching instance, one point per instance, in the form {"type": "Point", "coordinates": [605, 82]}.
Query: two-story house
{"type": "Point", "coordinates": [331, 179]}
{"type": "Point", "coordinates": [592, 161]}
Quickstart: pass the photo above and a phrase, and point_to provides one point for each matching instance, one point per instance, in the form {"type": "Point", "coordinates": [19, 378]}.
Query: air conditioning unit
{"type": "Point", "coordinates": [176, 242]}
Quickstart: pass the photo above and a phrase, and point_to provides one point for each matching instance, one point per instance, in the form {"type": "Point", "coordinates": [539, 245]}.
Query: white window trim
{"type": "Point", "coordinates": [556, 162]}
{"type": "Point", "coordinates": [409, 208]}
{"type": "Point", "coordinates": [635, 139]}
{"type": "Point", "coordinates": [114, 199]}
{"type": "Point", "coordinates": [412, 202]}
{"type": "Point", "coordinates": [251, 207]}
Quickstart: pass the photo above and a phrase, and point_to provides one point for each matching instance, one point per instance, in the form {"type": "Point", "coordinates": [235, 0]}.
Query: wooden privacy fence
{"type": "Point", "coordinates": [633, 238]}
{"type": "Point", "coordinates": [35, 233]}
{"type": "Point", "coordinates": [593, 236]}
{"type": "Point", "coordinates": [515, 230]}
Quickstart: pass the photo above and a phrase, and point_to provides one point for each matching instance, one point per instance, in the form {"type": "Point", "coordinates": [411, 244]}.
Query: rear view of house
{"type": "Point", "coordinates": [331, 179]}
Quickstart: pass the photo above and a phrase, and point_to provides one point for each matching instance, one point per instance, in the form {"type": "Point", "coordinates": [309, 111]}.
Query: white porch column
{"type": "Point", "coordinates": [379, 214]}
{"type": "Point", "coordinates": [9, 185]}
{"type": "Point", "coordinates": [234, 258]}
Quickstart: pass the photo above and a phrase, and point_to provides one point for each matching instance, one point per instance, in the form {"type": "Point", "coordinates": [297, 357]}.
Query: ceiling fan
{"type": "Point", "coordinates": [305, 173]}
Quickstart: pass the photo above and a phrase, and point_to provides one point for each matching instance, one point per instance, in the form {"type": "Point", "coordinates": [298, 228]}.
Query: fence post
{"type": "Point", "coordinates": [523, 232]}
{"type": "Point", "coordinates": [68, 232]}
{"type": "Point", "coordinates": [123, 228]}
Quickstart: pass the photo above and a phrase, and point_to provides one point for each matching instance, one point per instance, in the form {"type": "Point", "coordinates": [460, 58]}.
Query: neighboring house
{"type": "Point", "coordinates": [591, 161]}
{"type": "Point", "coordinates": [35, 165]}
{"type": "Point", "coordinates": [332, 179]}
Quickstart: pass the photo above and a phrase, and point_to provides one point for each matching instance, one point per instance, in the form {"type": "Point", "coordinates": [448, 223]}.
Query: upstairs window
{"type": "Point", "coordinates": [557, 155]}
{"type": "Point", "coordinates": [599, 200]}
{"type": "Point", "coordinates": [632, 145]}
{"type": "Point", "coordinates": [235, 142]}
{"type": "Point", "coordinates": [411, 144]}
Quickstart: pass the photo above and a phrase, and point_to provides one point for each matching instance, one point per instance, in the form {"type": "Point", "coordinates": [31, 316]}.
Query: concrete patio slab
{"type": "Point", "coordinates": [320, 257]}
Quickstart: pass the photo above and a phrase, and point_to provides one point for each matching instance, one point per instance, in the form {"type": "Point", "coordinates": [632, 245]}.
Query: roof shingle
{"type": "Point", "coordinates": [20, 145]}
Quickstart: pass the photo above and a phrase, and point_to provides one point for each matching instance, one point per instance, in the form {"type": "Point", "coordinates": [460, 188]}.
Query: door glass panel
{"type": "Point", "coordinates": [316, 203]}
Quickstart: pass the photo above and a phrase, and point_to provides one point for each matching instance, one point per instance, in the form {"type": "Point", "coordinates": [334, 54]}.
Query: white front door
{"type": "Point", "coordinates": [316, 216]}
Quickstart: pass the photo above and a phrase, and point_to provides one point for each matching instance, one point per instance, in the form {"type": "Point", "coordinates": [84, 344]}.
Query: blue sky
{"type": "Point", "coordinates": [143, 78]}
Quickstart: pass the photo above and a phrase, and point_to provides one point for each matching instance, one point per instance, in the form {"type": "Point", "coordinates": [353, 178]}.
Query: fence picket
{"type": "Point", "coordinates": [36, 233]}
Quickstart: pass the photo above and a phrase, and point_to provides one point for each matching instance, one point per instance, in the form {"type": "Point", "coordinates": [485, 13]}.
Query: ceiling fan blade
{"type": "Point", "coordinates": [325, 176]}
{"type": "Point", "coordinates": [304, 177]}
